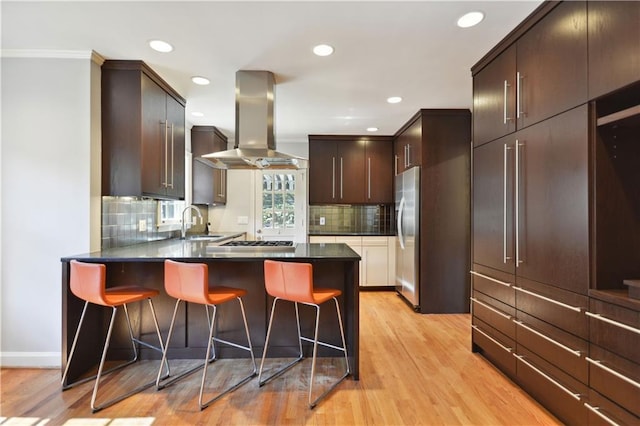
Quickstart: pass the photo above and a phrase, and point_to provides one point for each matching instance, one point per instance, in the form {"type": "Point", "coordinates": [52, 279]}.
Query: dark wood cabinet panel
{"type": "Point", "coordinates": [552, 236]}
{"type": "Point", "coordinates": [552, 64]}
{"type": "Point", "coordinates": [209, 184]}
{"type": "Point", "coordinates": [609, 328]}
{"type": "Point", "coordinates": [494, 346]}
{"type": "Point", "coordinates": [494, 98]}
{"type": "Point", "coordinates": [143, 133]}
{"type": "Point", "coordinates": [493, 206]}
{"type": "Point", "coordinates": [495, 285]}
{"type": "Point", "coordinates": [494, 313]}
{"type": "Point", "coordinates": [350, 170]}
{"type": "Point", "coordinates": [614, 45]}
{"type": "Point", "coordinates": [604, 412]}
{"type": "Point", "coordinates": [408, 145]}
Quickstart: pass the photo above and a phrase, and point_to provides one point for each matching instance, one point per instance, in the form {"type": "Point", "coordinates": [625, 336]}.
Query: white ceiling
{"type": "Point", "coordinates": [382, 48]}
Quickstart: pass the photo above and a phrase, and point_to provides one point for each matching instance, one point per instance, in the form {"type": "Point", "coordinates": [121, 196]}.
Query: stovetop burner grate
{"type": "Point", "coordinates": [258, 244]}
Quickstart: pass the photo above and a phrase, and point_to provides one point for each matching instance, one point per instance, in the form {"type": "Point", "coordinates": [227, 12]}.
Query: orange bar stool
{"type": "Point", "coordinates": [293, 281]}
{"type": "Point", "coordinates": [87, 282]}
{"type": "Point", "coordinates": [189, 282]}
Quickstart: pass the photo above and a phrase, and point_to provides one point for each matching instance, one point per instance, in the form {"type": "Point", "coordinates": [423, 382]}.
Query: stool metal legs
{"type": "Point", "coordinates": [316, 342]}
{"type": "Point", "coordinates": [210, 355]}
{"type": "Point", "coordinates": [97, 377]}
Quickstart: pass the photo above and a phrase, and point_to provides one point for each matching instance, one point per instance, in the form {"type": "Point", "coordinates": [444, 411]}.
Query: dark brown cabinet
{"type": "Point", "coordinates": [350, 170]}
{"type": "Point", "coordinates": [408, 146]}
{"type": "Point", "coordinates": [614, 45]}
{"type": "Point", "coordinates": [209, 183]}
{"type": "Point", "coordinates": [143, 133]}
{"type": "Point", "coordinates": [541, 74]}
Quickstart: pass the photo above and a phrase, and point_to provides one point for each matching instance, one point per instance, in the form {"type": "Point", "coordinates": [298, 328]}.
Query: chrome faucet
{"type": "Point", "coordinates": [184, 222]}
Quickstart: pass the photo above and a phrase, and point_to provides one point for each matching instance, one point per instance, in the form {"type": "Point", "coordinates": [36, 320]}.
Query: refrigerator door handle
{"type": "Point", "coordinates": [400, 213]}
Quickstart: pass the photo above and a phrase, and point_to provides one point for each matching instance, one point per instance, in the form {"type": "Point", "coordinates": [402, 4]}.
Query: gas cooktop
{"type": "Point", "coordinates": [248, 246]}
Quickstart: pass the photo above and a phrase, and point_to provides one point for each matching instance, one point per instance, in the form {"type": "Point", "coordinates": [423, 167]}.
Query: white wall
{"type": "Point", "coordinates": [49, 193]}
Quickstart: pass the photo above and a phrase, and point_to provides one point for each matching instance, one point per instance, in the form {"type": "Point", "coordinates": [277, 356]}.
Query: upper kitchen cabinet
{"type": "Point", "coordinates": [407, 146]}
{"type": "Point", "coordinates": [350, 170]}
{"type": "Point", "coordinates": [494, 98]}
{"type": "Point", "coordinates": [551, 63]}
{"type": "Point", "coordinates": [614, 45]}
{"type": "Point", "coordinates": [143, 133]}
{"type": "Point", "coordinates": [209, 183]}
{"type": "Point", "coordinates": [540, 75]}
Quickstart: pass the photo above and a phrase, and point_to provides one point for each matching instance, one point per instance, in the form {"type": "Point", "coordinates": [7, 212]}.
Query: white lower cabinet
{"type": "Point", "coordinates": [377, 268]}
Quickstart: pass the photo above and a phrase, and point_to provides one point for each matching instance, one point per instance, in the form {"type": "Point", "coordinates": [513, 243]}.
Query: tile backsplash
{"type": "Point", "coordinates": [350, 219]}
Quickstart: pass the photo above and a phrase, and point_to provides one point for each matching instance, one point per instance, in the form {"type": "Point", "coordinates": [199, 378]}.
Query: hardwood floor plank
{"type": "Point", "coordinates": [415, 370]}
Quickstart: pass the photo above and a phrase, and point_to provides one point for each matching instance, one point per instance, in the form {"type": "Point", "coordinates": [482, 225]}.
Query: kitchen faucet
{"type": "Point", "coordinates": [184, 222]}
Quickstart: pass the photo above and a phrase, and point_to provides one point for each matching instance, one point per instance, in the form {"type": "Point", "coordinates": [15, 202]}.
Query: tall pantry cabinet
{"type": "Point", "coordinates": [550, 192]}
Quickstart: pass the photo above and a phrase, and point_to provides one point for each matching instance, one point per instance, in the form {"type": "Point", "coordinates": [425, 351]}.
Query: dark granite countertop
{"type": "Point", "coordinates": [200, 250]}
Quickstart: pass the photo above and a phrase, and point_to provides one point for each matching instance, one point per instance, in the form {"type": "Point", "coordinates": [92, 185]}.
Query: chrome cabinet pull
{"type": "Point", "coordinates": [341, 177]}
{"type": "Point", "coordinates": [573, 395]}
{"type": "Point", "coordinates": [172, 159]}
{"type": "Point", "coordinates": [597, 412]}
{"type": "Point", "coordinates": [491, 308]}
{"type": "Point", "coordinates": [395, 164]}
{"type": "Point", "coordinates": [539, 296]}
{"type": "Point", "coordinates": [369, 177]}
{"type": "Point", "coordinates": [505, 118]}
{"type": "Point", "coordinates": [489, 278]}
{"type": "Point", "coordinates": [620, 376]}
{"type": "Point", "coordinates": [504, 207]}
{"type": "Point", "coordinates": [518, 95]}
{"type": "Point", "coordinates": [476, 328]}
{"type": "Point", "coordinates": [408, 155]}
{"type": "Point", "coordinates": [549, 339]}
{"type": "Point", "coordinates": [166, 153]}
{"type": "Point", "coordinates": [612, 322]}
{"type": "Point", "coordinates": [518, 259]}
{"type": "Point", "coordinates": [333, 177]}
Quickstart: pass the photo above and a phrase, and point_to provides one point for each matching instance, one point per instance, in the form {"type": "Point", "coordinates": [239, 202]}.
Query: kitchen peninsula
{"type": "Point", "coordinates": [335, 265]}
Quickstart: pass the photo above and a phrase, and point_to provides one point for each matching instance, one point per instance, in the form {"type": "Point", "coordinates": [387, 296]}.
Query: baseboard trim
{"type": "Point", "coordinates": [30, 359]}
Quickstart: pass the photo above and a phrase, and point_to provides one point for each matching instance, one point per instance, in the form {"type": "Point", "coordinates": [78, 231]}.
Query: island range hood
{"type": "Point", "coordinates": [255, 146]}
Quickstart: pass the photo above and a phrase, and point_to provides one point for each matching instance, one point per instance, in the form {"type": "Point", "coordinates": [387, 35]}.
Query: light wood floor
{"type": "Point", "coordinates": [414, 369]}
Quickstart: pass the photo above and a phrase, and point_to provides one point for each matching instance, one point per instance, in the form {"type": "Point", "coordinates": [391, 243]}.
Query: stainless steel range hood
{"type": "Point", "coordinates": [255, 146]}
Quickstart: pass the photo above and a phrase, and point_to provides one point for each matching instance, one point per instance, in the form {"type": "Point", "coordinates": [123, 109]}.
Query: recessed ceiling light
{"type": "Point", "coordinates": [372, 129]}
{"type": "Point", "coordinates": [197, 114]}
{"type": "Point", "coordinates": [202, 81]}
{"type": "Point", "coordinates": [323, 50]}
{"type": "Point", "coordinates": [160, 46]}
{"type": "Point", "coordinates": [470, 19]}
{"type": "Point", "coordinates": [394, 99]}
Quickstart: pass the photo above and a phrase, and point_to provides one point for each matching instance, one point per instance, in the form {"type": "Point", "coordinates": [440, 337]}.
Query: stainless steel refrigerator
{"type": "Point", "coordinates": [407, 204]}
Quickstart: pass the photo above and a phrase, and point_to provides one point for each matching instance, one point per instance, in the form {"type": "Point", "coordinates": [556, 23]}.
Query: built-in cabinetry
{"type": "Point", "coordinates": [209, 183]}
{"type": "Point", "coordinates": [350, 169]}
{"type": "Point", "coordinates": [143, 133]}
{"type": "Point", "coordinates": [556, 210]}
{"type": "Point", "coordinates": [377, 267]}
{"type": "Point", "coordinates": [438, 141]}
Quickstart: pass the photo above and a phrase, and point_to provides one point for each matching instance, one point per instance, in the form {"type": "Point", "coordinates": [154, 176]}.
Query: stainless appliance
{"type": "Point", "coordinates": [255, 146]}
{"type": "Point", "coordinates": [253, 246]}
{"type": "Point", "coordinates": [408, 240]}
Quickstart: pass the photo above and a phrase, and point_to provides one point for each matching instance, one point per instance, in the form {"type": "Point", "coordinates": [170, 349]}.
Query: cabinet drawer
{"type": "Point", "coordinates": [561, 308]}
{"type": "Point", "coordinates": [558, 347]}
{"type": "Point", "coordinates": [604, 412]}
{"type": "Point", "coordinates": [494, 313]}
{"type": "Point", "coordinates": [615, 377]}
{"type": "Point", "coordinates": [494, 346]}
{"type": "Point", "coordinates": [498, 287]}
{"type": "Point", "coordinates": [556, 391]}
{"type": "Point", "coordinates": [615, 328]}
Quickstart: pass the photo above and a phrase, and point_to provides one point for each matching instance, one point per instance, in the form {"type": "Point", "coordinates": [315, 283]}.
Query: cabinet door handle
{"type": "Point", "coordinates": [573, 395]}
{"type": "Point", "coordinates": [504, 115]}
{"type": "Point", "coordinates": [612, 322]}
{"type": "Point", "coordinates": [546, 299]}
{"type": "Point", "coordinates": [549, 339]}
{"type": "Point", "coordinates": [597, 412]}
{"type": "Point", "coordinates": [599, 364]}
{"type": "Point", "coordinates": [341, 177]}
{"type": "Point", "coordinates": [476, 328]}
{"type": "Point", "coordinates": [369, 178]}
{"type": "Point", "coordinates": [395, 164]}
{"type": "Point", "coordinates": [172, 159]}
{"type": "Point", "coordinates": [408, 155]}
{"type": "Point", "coordinates": [518, 94]}
{"type": "Point", "coordinates": [491, 308]}
{"type": "Point", "coordinates": [504, 207]}
{"type": "Point", "coordinates": [333, 177]}
{"type": "Point", "coordinates": [517, 214]}
{"type": "Point", "coordinates": [166, 152]}
{"type": "Point", "coordinates": [490, 279]}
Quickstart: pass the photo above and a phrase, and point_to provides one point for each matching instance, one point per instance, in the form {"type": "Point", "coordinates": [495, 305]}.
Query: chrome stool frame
{"type": "Point", "coordinates": [315, 341]}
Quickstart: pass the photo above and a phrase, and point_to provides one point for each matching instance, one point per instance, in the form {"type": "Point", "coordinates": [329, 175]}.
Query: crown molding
{"type": "Point", "coordinates": [52, 54]}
